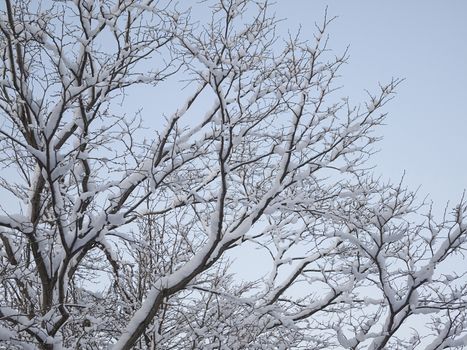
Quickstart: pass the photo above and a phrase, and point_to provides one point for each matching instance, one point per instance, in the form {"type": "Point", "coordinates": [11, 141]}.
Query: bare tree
{"type": "Point", "coordinates": [276, 162]}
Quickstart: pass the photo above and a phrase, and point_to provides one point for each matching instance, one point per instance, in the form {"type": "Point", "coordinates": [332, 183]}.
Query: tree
{"type": "Point", "coordinates": [275, 162]}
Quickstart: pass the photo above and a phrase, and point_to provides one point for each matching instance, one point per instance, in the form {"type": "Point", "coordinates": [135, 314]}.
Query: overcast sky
{"type": "Point", "coordinates": [424, 42]}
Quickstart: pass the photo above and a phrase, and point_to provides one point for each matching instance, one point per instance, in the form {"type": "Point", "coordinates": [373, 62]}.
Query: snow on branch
{"type": "Point", "coordinates": [245, 217]}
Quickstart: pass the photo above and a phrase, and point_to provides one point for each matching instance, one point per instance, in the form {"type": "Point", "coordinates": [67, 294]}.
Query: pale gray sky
{"type": "Point", "coordinates": [424, 42]}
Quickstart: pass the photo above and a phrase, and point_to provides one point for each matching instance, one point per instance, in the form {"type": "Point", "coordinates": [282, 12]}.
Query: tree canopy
{"type": "Point", "coordinates": [117, 237]}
